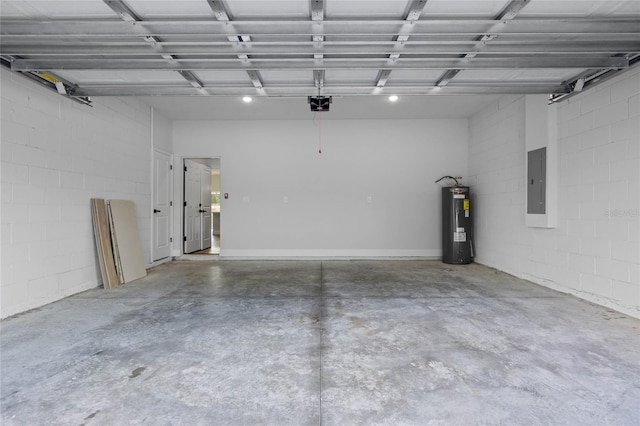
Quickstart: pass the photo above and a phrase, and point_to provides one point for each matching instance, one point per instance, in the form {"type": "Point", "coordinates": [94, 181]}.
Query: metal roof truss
{"type": "Point", "coordinates": [584, 48]}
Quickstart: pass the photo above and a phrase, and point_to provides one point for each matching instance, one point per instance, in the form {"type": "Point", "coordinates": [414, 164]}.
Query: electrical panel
{"type": "Point", "coordinates": [536, 181]}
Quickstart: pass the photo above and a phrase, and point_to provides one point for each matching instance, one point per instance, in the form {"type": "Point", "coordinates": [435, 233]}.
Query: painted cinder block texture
{"type": "Point", "coordinates": [56, 156]}
{"type": "Point", "coordinates": [594, 251]}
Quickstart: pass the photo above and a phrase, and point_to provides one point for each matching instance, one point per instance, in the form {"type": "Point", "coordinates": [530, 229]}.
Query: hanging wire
{"type": "Point", "coordinates": [320, 135]}
{"type": "Point", "coordinates": [448, 177]}
{"type": "Point", "coordinates": [319, 126]}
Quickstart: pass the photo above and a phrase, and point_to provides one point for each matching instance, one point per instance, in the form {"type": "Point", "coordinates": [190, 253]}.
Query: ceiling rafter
{"type": "Point", "coordinates": [304, 48]}
{"type": "Point", "coordinates": [413, 14]}
{"type": "Point", "coordinates": [317, 15]}
{"type": "Point", "coordinates": [185, 64]}
{"type": "Point", "coordinates": [510, 11]}
{"type": "Point", "coordinates": [358, 48]}
{"type": "Point", "coordinates": [220, 11]}
{"type": "Point", "coordinates": [364, 28]}
{"type": "Point", "coordinates": [128, 15]}
{"type": "Point", "coordinates": [364, 89]}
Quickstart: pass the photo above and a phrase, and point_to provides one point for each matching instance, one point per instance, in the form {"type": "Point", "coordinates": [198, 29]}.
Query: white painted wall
{"type": "Point", "coordinates": [56, 155]}
{"type": "Point", "coordinates": [326, 210]}
{"type": "Point", "coordinates": [594, 251]}
{"type": "Point", "coordinates": [162, 132]}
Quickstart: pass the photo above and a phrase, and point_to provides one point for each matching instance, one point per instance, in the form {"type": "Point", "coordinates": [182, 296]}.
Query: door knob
{"type": "Point", "coordinates": [156, 211]}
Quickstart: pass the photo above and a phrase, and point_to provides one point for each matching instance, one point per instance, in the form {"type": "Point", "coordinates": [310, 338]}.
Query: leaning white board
{"type": "Point", "coordinates": [127, 239]}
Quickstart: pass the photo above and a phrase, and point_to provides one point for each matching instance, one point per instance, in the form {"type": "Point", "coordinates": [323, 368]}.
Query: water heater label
{"type": "Point", "coordinates": [465, 204]}
{"type": "Point", "coordinates": [459, 237]}
{"type": "Point", "coordinates": [458, 195]}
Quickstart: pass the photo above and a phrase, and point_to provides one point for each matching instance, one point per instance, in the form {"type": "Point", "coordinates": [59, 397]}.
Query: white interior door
{"type": "Point", "coordinates": [205, 202]}
{"type": "Point", "coordinates": [161, 221]}
{"type": "Point", "coordinates": [192, 197]}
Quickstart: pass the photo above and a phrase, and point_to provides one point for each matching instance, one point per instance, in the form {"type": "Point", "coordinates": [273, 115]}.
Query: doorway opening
{"type": "Point", "coordinates": [201, 226]}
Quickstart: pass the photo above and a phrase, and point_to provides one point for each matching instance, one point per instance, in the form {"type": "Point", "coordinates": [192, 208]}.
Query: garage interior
{"type": "Point", "coordinates": [326, 301]}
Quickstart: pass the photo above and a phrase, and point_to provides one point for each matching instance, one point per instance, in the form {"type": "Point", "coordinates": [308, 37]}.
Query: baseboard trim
{"type": "Point", "coordinates": [329, 254]}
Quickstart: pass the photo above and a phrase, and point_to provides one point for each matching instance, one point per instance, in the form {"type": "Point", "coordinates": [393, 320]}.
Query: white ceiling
{"type": "Point", "coordinates": [342, 108]}
{"type": "Point", "coordinates": [196, 58]}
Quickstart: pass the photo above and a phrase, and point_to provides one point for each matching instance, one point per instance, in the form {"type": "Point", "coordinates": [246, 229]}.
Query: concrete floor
{"type": "Point", "coordinates": [333, 343]}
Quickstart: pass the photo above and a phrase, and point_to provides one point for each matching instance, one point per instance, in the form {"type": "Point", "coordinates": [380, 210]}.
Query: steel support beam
{"type": "Point", "coordinates": [508, 13]}
{"type": "Point", "coordinates": [105, 29]}
{"type": "Point", "coordinates": [318, 79]}
{"type": "Point", "coordinates": [313, 64]}
{"type": "Point", "coordinates": [317, 15]}
{"type": "Point", "coordinates": [326, 48]}
{"type": "Point", "coordinates": [317, 10]}
{"type": "Point", "coordinates": [413, 14]}
{"type": "Point", "coordinates": [128, 15]}
{"type": "Point", "coordinates": [591, 47]}
{"type": "Point", "coordinates": [304, 48]}
{"type": "Point", "coordinates": [480, 88]}
{"type": "Point", "coordinates": [220, 11]}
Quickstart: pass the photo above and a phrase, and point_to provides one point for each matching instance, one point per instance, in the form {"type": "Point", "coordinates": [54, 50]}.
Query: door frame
{"type": "Point", "coordinates": [151, 206]}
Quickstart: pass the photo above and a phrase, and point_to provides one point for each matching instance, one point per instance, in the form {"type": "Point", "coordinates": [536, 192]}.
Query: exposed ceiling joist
{"type": "Point", "coordinates": [123, 10]}
{"type": "Point", "coordinates": [128, 15]}
{"type": "Point", "coordinates": [415, 9]}
{"type": "Point", "coordinates": [447, 77]}
{"type": "Point", "coordinates": [302, 48]}
{"type": "Point", "coordinates": [317, 15]}
{"type": "Point", "coordinates": [477, 88]}
{"type": "Point", "coordinates": [318, 79]}
{"type": "Point", "coordinates": [68, 29]}
{"type": "Point", "coordinates": [508, 13]}
{"type": "Point", "coordinates": [255, 78]}
{"type": "Point", "coordinates": [317, 10]}
{"type": "Point", "coordinates": [219, 10]}
{"type": "Point", "coordinates": [383, 76]}
{"type": "Point", "coordinates": [221, 14]}
{"type": "Point", "coordinates": [313, 64]}
{"type": "Point", "coordinates": [401, 47]}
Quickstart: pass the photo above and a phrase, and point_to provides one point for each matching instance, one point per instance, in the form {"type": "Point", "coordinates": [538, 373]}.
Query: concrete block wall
{"type": "Point", "coordinates": [56, 155]}
{"type": "Point", "coordinates": [594, 251]}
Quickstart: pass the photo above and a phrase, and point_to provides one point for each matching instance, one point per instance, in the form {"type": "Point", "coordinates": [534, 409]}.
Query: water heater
{"type": "Point", "coordinates": [457, 244]}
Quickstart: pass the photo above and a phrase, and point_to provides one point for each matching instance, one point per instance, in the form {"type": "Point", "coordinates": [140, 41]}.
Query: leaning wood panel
{"type": "Point", "coordinates": [127, 239]}
{"type": "Point", "coordinates": [114, 245]}
{"type": "Point", "coordinates": [103, 243]}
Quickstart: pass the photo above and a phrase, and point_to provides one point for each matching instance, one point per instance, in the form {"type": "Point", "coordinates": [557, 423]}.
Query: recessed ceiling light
{"type": "Point", "coordinates": [247, 99]}
{"type": "Point", "coordinates": [393, 98]}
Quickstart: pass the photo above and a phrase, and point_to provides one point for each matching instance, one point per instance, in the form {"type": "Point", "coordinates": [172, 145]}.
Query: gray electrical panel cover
{"type": "Point", "coordinates": [536, 181]}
